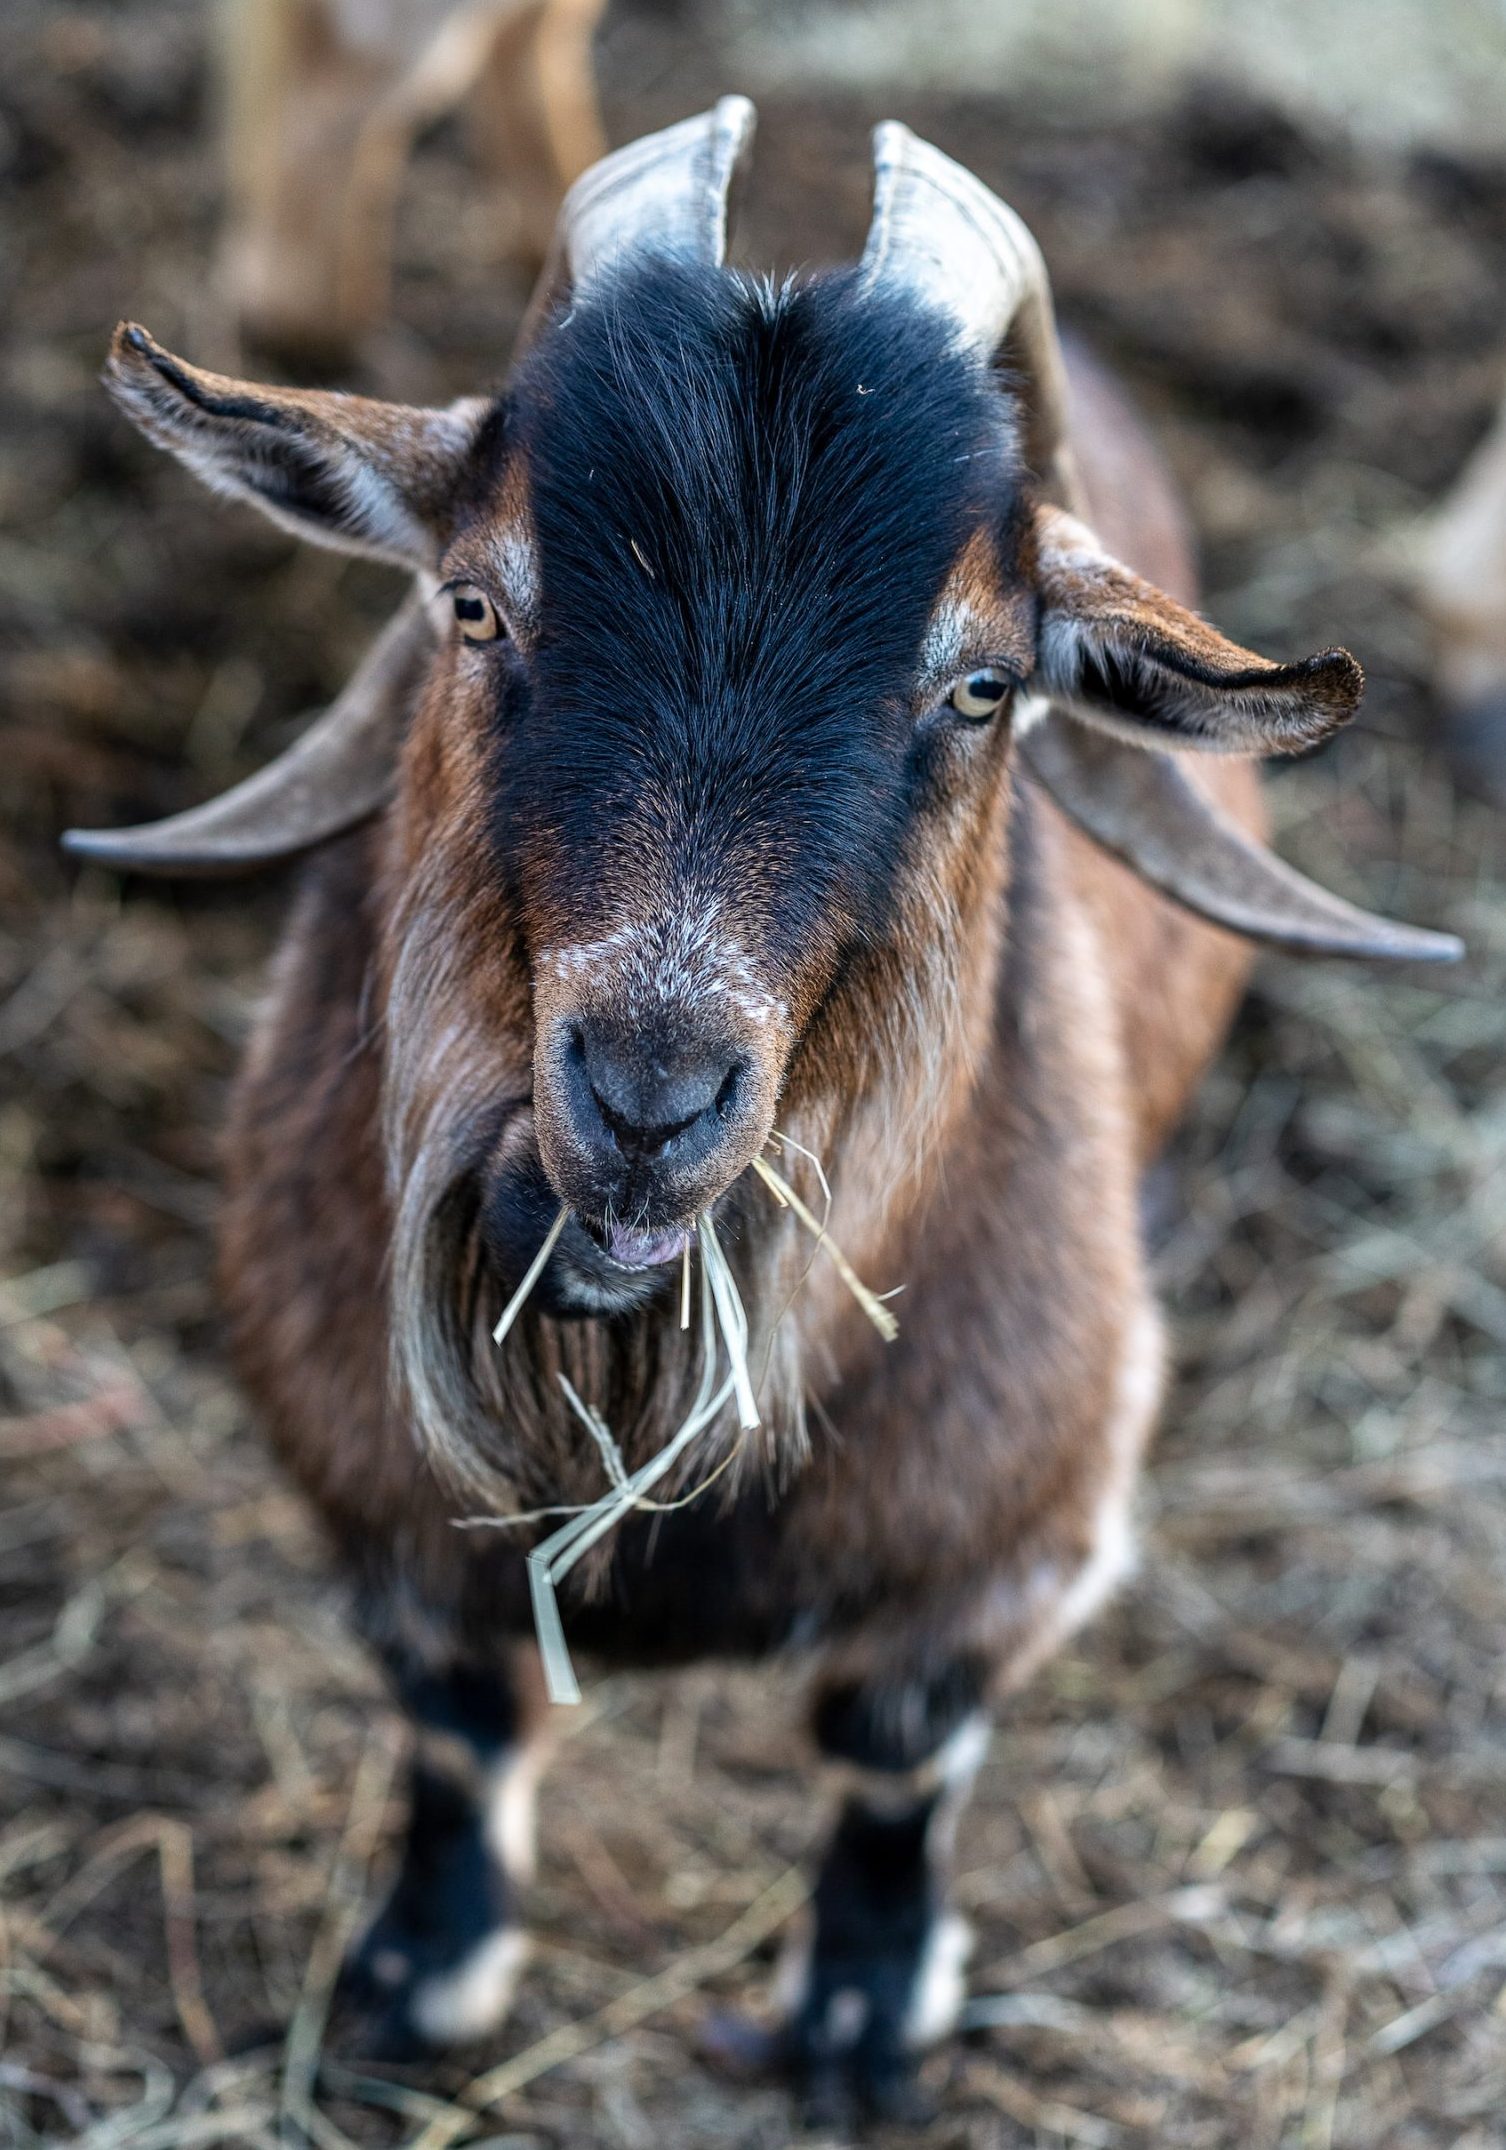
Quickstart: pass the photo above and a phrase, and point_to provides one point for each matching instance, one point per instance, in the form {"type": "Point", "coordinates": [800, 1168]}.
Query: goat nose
{"type": "Point", "coordinates": [647, 1094]}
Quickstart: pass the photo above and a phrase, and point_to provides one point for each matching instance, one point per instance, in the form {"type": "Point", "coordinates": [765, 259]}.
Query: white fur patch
{"type": "Point", "coordinates": [1052, 1600]}
{"type": "Point", "coordinates": [949, 1772]}
{"type": "Point", "coordinates": [846, 2016]}
{"type": "Point", "coordinates": [792, 1972]}
{"type": "Point", "coordinates": [504, 1794]}
{"type": "Point", "coordinates": [940, 1984]}
{"type": "Point", "coordinates": [672, 960]}
{"type": "Point", "coordinates": [953, 631]}
{"type": "Point", "coordinates": [517, 571]}
{"type": "Point", "coordinates": [510, 1819]}
{"type": "Point", "coordinates": [473, 1999]}
{"type": "Point", "coordinates": [1111, 1558]}
{"type": "Point", "coordinates": [1028, 711]}
{"type": "Point", "coordinates": [935, 2001]}
{"type": "Point", "coordinates": [1142, 1371]}
{"type": "Point", "coordinates": [960, 1759]}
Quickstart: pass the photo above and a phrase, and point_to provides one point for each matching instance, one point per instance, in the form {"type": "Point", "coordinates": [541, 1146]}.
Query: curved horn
{"type": "Point", "coordinates": [940, 231]}
{"type": "Point", "coordinates": [668, 193]}
{"type": "Point", "coordinates": [952, 242]}
{"type": "Point", "coordinates": [1142, 808]}
{"type": "Point", "coordinates": [338, 773]}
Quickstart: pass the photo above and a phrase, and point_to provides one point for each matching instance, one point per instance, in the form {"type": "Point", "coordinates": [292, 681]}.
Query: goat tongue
{"type": "Point", "coordinates": [645, 1250]}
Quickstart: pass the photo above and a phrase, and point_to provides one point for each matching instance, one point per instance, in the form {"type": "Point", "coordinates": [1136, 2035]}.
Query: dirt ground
{"type": "Point", "coordinates": [1237, 1863]}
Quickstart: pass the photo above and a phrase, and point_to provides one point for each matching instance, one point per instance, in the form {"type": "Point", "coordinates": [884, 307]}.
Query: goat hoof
{"type": "Point", "coordinates": [418, 1993]}
{"type": "Point", "coordinates": [828, 2105]}
{"type": "Point", "coordinates": [839, 2096]}
{"type": "Point", "coordinates": [846, 2071]}
{"type": "Point", "coordinates": [374, 1996]}
{"type": "Point", "coordinates": [835, 2088]}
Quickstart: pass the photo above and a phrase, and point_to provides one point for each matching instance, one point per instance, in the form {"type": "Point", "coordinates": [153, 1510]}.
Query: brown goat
{"type": "Point", "coordinates": [793, 675]}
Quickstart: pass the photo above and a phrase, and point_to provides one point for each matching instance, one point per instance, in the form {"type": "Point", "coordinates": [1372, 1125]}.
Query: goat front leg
{"type": "Point", "coordinates": [877, 1977]}
{"type": "Point", "coordinates": [439, 1963]}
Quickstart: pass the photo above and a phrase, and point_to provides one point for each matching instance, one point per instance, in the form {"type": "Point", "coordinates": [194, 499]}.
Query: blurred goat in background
{"type": "Point", "coordinates": [1458, 578]}
{"type": "Point", "coordinates": [324, 99]}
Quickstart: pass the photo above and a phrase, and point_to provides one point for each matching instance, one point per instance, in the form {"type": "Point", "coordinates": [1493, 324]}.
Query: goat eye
{"type": "Point", "coordinates": [475, 614]}
{"type": "Point", "coordinates": [980, 696]}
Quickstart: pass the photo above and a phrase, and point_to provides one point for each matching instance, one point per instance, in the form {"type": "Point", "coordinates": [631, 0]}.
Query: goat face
{"type": "Point", "coordinates": [737, 509]}
{"type": "Point", "coordinates": [703, 805]}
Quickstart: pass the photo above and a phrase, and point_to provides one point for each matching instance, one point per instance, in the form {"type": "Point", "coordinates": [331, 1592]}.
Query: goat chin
{"type": "Point", "coordinates": [494, 1420]}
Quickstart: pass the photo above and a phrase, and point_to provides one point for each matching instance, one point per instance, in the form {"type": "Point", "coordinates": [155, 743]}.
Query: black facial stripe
{"type": "Point", "coordinates": [749, 703]}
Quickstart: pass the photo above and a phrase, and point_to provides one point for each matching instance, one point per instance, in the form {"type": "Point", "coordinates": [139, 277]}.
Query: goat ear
{"type": "Point", "coordinates": [1122, 655]}
{"type": "Point", "coordinates": [343, 470]}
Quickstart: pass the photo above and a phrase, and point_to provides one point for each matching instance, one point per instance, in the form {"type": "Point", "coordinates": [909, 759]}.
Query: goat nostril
{"type": "Point", "coordinates": [637, 1096]}
{"type": "Point", "coordinates": [635, 1138]}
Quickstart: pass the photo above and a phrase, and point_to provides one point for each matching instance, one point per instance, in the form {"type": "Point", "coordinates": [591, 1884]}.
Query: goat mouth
{"type": "Point", "coordinates": [634, 1247]}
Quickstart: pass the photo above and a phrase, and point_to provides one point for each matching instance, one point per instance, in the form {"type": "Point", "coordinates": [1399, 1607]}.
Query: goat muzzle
{"type": "Point", "coordinates": [643, 1121]}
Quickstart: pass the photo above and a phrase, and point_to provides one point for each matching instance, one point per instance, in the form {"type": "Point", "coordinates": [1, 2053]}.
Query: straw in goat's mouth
{"type": "Point", "coordinates": [872, 1305]}
{"type": "Point", "coordinates": [724, 1319]}
{"type": "Point", "coordinates": [531, 1275]}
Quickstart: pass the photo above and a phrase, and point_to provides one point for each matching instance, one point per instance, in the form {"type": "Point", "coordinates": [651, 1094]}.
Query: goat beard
{"type": "Point", "coordinates": [494, 1421]}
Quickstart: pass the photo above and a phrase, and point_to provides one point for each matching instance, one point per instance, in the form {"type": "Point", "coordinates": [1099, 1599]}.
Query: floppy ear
{"type": "Point", "coordinates": [343, 470]}
{"type": "Point", "coordinates": [1121, 655]}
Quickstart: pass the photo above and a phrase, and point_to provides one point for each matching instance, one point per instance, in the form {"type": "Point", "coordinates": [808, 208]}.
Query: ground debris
{"type": "Point", "coordinates": [1238, 1864]}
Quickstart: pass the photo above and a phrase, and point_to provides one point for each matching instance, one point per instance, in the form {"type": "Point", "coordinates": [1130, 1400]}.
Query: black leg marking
{"type": "Point", "coordinates": [438, 1964]}
{"type": "Point", "coordinates": [880, 1975]}
{"type": "Point", "coordinates": [902, 1725]}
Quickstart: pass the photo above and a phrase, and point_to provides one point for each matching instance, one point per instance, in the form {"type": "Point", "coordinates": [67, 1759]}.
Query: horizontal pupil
{"type": "Point", "coordinates": [470, 608]}
{"type": "Point", "coordinates": [983, 688]}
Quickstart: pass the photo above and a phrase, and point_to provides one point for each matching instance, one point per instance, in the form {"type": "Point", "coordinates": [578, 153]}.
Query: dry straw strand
{"type": "Point", "coordinates": [342, 1912]}
{"type": "Point", "coordinates": [872, 1305]}
{"type": "Point", "coordinates": [734, 1322]}
{"type": "Point", "coordinates": [531, 1275]}
{"type": "Point", "coordinates": [551, 1561]}
{"type": "Point", "coordinates": [721, 1310]}
{"type": "Point", "coordinates": [599, 1430]}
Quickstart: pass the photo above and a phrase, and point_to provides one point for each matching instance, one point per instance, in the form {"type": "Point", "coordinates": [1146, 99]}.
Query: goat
{"type": "Point", "coordinates": [323, 99]}
{"type": "Point", "coordinates": [1455, 565]}
{"type": "Point", "coordinates": [780, 732]}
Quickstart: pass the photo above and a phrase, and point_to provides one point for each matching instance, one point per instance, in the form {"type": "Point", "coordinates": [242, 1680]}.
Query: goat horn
{"type": "Point", "coordinates": [953, 243]}
{"type": "Point", "coordinates": [940, 232]}
{"type": "Point", "coordinates": [667, 194]}
{"type": "Point", "coordinates": [339, 773]}
{"type": "Point", "coordinates": [1142, 809]}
